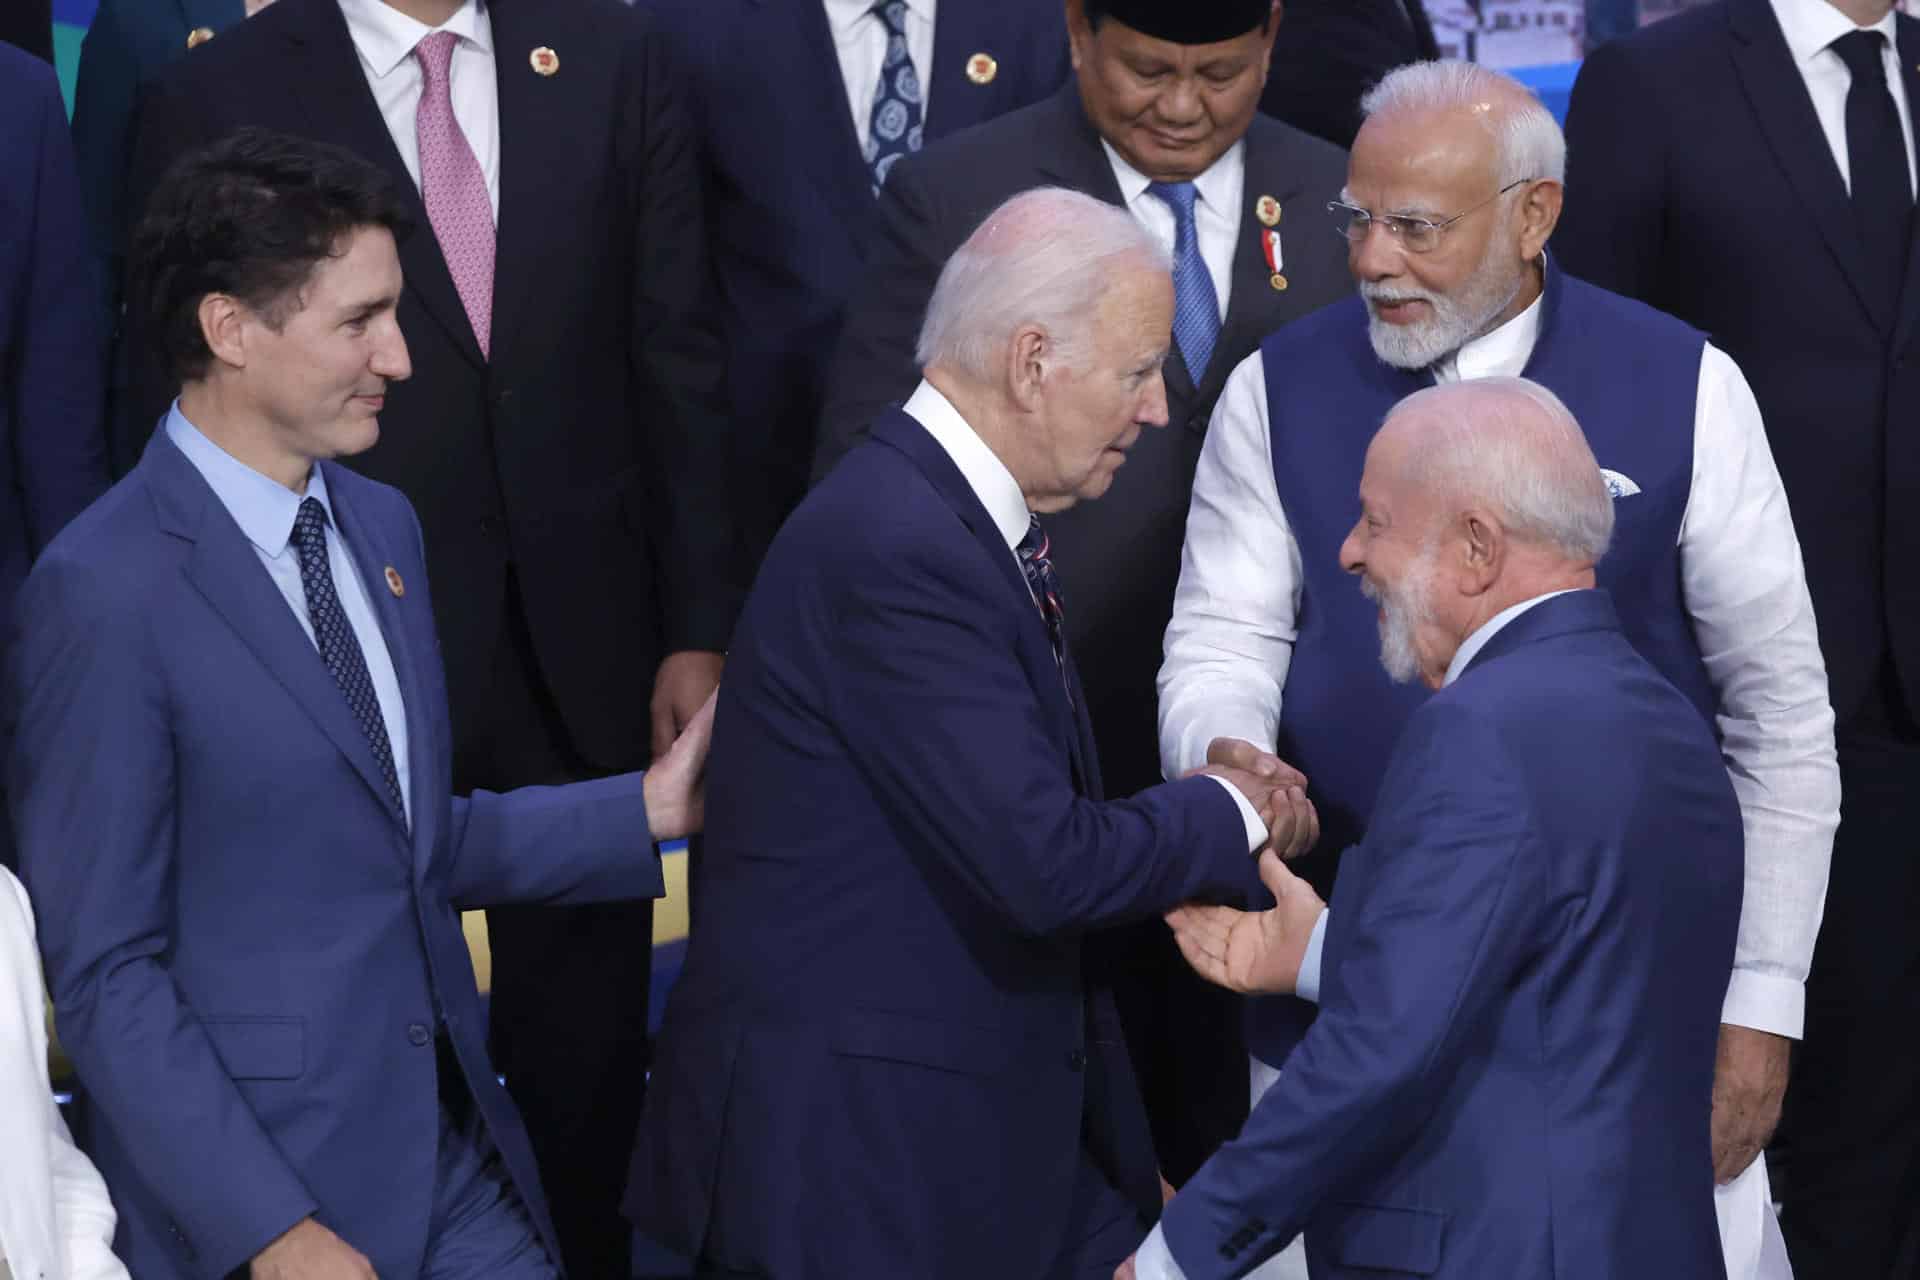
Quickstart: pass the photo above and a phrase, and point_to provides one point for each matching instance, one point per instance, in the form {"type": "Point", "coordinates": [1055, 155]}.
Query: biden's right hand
{"type": "Point", "coordinates": [308, 1251]}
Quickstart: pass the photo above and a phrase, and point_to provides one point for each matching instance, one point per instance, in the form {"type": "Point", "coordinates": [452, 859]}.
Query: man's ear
{"type": "Point", "coordinates": [223, 322]}
{"type": "Point", "coordinates": [1539, 215]}
{"type": "Point", "coordinates": [1028, 356]}
{"type": "Point", "coordinates": [1483, 550]}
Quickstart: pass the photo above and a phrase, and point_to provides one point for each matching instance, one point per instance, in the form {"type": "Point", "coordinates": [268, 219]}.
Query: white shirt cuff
{"type": "Point", "coordinates": [1257, 832]}
{"type": "Point", "coordinates": [1153, 1261]}
{"type": "Point", "coordinates": [1307, 985]}
{"type": "Point", "coordinates": [1765, 1002]}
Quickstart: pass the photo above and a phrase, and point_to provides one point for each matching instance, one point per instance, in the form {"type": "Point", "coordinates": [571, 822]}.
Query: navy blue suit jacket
{"type": "Point", "coordinates": [789, 199]}
{"type": "Point", "coordinates": [53, 451]}
{"type": "Point", "coordinates": [883, 1057]}
{"type": "Point", "coordinates": [1512, 1070]}
{"type": "Point", "coordinates": [248, 949]}
{"type": "Point", "coordinates": [1736, 221]}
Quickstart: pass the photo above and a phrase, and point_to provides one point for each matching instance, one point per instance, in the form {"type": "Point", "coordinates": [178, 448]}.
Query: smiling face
{"type": "Point", "coordinates": [1397, 550]}
{"type": "Point", "coordinates": [1169, 109]}
{"type": "Point", "coordinates": [1093, 407]}
{"type": "Point", "coordinates": [317, 380]}
{"type": "Point", "coordinates": [1423, 307]}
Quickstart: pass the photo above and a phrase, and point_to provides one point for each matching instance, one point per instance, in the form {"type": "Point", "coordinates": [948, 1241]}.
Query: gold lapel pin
{"type": "Point", "coordinates": [981, 68]}
{"type": "Point", "coordinates": [544, 61]}
{"type": "Point", "coordinates": [1267, 209]}
{"type": "Point", "coordinates": [199, 36]}
{"type": "Point", "coordinates": [394, 584]}
{"type": "Point", "coordinates": [1278, 281]}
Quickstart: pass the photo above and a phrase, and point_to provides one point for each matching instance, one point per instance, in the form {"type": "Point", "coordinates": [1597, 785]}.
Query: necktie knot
{"type": "Point", "coordinates": [1860, 50]}
{"type": "Point", "coordinates": [435, 53]}
{"type": "Point", "coordinates": [1178, 196]}
{"type": "Point", "coordinates": [1034, 546]}
{"type": "Point", "coordinates": [893, 13]}
{"type": "Point", "coordinates": [310, 525]}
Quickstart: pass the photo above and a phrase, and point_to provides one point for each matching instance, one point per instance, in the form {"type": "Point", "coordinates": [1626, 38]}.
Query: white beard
{"type": "Point", "coordinates": [1404, 610]}
{"type": "Point", "coordinates": [1457, 319]}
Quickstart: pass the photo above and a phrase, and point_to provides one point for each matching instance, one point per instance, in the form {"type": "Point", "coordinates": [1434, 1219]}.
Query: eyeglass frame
{"type": "Point", "coordinates": [1397, 224]}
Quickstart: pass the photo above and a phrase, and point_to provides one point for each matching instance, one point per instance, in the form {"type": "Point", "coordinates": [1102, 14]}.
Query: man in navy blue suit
{"type": "Point", "coordinates": [802, 107]}
{"type": "Point", "coordinates": [230, 761]}
{"type": "Point", "coordinates": [885, 1056]}
{"type": "Point", "coordinates": [1512, 1070]}
{"type": "Point", "coordinates": [1749, 166]}
{"type": "Point", "coordinates": [53, 449]}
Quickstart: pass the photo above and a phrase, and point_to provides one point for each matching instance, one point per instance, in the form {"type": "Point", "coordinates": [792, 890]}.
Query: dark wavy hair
{"type": "Point", "coordinates": [250, 216]}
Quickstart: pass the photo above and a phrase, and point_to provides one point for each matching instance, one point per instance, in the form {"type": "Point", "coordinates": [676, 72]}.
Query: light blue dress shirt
{"type": "Point", "coordinates": [265, 510]}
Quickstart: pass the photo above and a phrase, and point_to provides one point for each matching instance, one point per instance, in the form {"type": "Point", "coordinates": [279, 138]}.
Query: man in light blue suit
{"type": "Point", "coordinates": [1520, 987]}
{"type": "Point", "coordinates": [230, 767]}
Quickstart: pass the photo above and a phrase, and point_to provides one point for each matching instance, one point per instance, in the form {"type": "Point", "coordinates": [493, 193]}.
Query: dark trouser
{"type": "Point", "coordinates": [1186, 1040]}
{"type": "Point", "coordinates": [569, 999]}
{"type": "Point", "coordinates": [1848, 1154]}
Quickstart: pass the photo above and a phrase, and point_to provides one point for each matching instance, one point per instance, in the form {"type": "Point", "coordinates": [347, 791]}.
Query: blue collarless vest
{"type": "Point", "coordinates": [1631, 377]}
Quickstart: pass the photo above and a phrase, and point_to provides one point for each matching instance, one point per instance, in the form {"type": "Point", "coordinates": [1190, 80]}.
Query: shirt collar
{"type": "Point", "coordinates": [1812, 25]}
{"type": "Point", "coordinates": [980, 466]}
{"type": "Point", "coordinates": [386, 37]}
{"type": "Point", "coordinates": [1503, 353]}
{"type": "Point", "coordinates": [843, 16]}
{"type": "Point", "coordinates": [1470, 647]}
{"type": "Point", "coordinates": [262, 507]}
{"type": "Point", "coordinates": [1217, 184]}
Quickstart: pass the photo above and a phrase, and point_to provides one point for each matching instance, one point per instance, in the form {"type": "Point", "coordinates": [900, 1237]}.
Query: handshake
{"type": "Point", "coordinates": [1258, 952]}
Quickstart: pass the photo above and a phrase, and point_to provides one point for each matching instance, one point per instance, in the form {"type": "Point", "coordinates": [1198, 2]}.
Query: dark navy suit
{"type": "Point", "coordinates": [53, 449]}
{"type": "Point", "coordinates": [884, 1057]}
{"type": "Point", "coordinates": [251, 953]}
{"type": "Point", "coordinates": [1512, 1069]}
{"type": "Point", "coordinates": [789, 199]}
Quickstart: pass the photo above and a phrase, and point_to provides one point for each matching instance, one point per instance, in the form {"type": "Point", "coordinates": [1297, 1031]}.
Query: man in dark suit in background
{"type": "Point", "coordinates": [28, 25]}
{"type": "Point", "coordinates": [1160, 120]}
{"type": "Point", "coordinates": [561, 438]}
{"type": "Point", "coordinates": [53, 446]}
{"type": "Point", "coordinates": [1749, 167]}
{"type": "Point", "coordinates": [802, 106]}
{"type": "Point", "coordinates": [1332, 51]}
{"type": "Point", "coordinates": [887, 1056]}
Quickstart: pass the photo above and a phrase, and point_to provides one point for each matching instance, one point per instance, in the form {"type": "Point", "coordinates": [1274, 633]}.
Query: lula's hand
{"type": "Point", "coordinates": [1238, 753]}
{"type": "Point", "coordinates": [1749, 1084]}
{"type": "Point", "coordinates": [308, 1251]}
{"type": "Point", "coordinates": [1278, 792]}
{"type": "Point", "coordinates": [1252, 952]}
{"type": "Point", "coordinates": [680, 688]}
{"type": "Point", "coordinates": [676, 786]}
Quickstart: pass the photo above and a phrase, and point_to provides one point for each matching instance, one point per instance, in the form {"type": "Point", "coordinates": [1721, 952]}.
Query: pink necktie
{"type": "Point", "coordinates": [454, 188]}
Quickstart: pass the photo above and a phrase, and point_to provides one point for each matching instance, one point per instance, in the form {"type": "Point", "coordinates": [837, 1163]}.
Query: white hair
{"type": "Point", "coordinates": [1043, 258]}
{"type": "Point", "coordinates": [1527, 140]}
{"type": "Point", "coordinates": [1511, 444]}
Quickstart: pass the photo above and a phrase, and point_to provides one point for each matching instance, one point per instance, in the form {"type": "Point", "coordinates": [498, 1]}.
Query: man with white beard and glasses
{"type": "Point", "coordinates": [1453, 189]}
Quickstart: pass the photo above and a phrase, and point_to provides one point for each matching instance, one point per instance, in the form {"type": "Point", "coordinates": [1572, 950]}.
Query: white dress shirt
{"type": "Point", "coordinates": [265, 510]}
{"type": "Point", "coordinates": [1000, 494]}
{"type": "Point", "coordinates": [385, 39]}
{"type": "Point", "coordinates": [1811, 26]}
{"type": "Point", "coordinates": [1231, 640]}
{"type": "Point", "coordinates": [56, 1221]}
{"type": "Point", "coordinates": [860, 41]}
{"type": "Point", "coordinates": [1216, 214]}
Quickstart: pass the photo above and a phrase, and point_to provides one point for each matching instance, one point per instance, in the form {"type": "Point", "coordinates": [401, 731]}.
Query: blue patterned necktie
{"type": "Point", "coordinates": [894, 129]}
{"type": "Point", "coordinates": [339, 649]}
{"type": "Point", "coordinates": [1196, 307]}
{"type": "Point", "coordinates": [1045, 584]}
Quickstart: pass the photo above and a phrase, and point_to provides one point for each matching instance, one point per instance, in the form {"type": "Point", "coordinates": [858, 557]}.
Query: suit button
{"type": "Point", "coordinates": [418, 1033]}
{"type": "Point", "coordinates": [1077, 1060]}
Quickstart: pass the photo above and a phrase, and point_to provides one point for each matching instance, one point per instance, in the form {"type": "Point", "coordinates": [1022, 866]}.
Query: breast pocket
{"type": "Point", "coordinates": [259, 1048]}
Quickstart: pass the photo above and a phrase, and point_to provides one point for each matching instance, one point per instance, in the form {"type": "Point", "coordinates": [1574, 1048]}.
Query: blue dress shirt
{"type": "Point", "coordinates": [265, 510]}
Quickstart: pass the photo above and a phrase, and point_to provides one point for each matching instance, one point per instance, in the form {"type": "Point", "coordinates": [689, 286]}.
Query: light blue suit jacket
{"type": "Point", "coordinates": [249, 952]}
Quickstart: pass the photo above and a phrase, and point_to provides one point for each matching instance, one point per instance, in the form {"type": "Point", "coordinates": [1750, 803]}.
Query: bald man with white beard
{"type": "Point", "coordinates": [1453, 191]}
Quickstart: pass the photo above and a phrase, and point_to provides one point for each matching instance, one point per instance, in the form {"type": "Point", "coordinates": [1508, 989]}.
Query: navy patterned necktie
{"type": "Point", "coordinates": [339, 648]}
{"type": "Point", "coordinates": [1196, 307]}
{"type": "Point", "coordinates": [894, 129]}
{"type": "Point", "coordinates": [1045, 584]}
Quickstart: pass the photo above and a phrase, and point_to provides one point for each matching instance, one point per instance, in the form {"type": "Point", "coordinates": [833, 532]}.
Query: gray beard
{"type": "Point", "coordinates": [1456, 320]}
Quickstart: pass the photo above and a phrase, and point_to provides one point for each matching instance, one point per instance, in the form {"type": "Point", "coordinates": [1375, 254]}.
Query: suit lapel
{"type": "Point", "coordinates": [821, 95]}
{"type": "Point", "coordinates": [1074, 158]}
{"type": "Point", "coordinates": [373, 554]}
{"type": "Point", "coordinates": [1908, 32]}
{"type": "Point", "coordinates": [225, 570]}
{"type": "Point", "coordinates": [536, 117]}
{"type": "Point", "coordinates": [954, 101]}
{"type": "Point", "coordinates": [330, 83]}
{"type": "Point", "coordinates": [1254, 305]}
{"type": "Point", "coordinates": [1779, 99]}
{"type": "Point", "coordinates": [214, 15]}
{"type": "Point", "coordinates": [899, 429]}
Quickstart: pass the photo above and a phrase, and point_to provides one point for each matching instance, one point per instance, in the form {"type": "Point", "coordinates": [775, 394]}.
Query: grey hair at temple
{"type": "Point", "coordinates": [1042, 259]}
